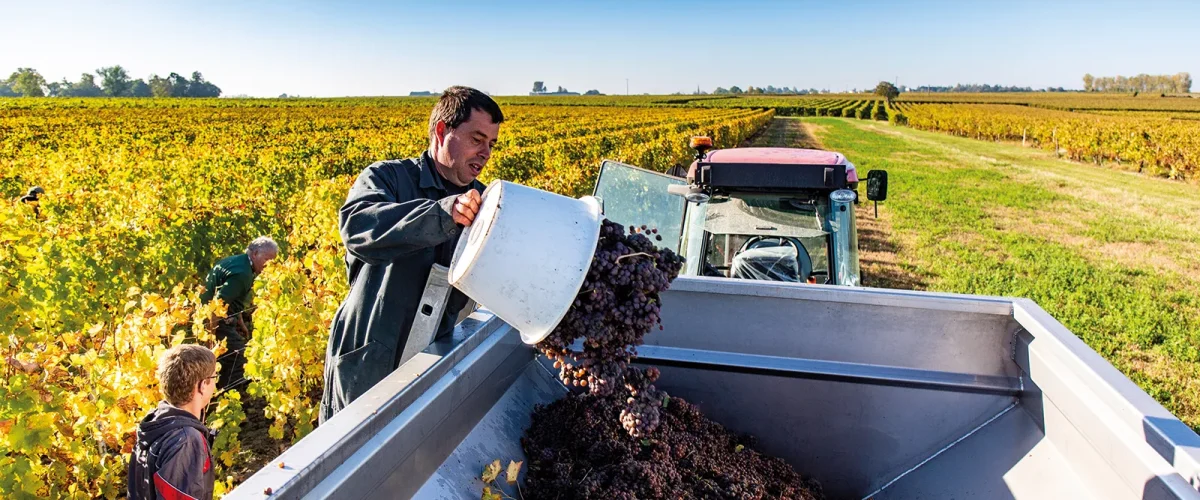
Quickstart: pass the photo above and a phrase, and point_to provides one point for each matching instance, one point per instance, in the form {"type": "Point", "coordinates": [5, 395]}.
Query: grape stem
{"type": "Point", "coordinates": [632, 255]}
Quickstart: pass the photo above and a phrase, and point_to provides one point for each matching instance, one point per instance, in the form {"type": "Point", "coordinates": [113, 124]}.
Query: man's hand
{"type": "Point", "coordinates": [466, 207]}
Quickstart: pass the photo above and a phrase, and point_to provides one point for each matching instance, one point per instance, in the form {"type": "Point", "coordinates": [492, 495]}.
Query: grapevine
{"type": "Point", "coordinates": [143, 196]}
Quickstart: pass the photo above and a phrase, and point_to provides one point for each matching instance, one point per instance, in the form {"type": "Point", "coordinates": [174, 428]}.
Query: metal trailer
{"type": "Point", "coordinates": [876, 393]}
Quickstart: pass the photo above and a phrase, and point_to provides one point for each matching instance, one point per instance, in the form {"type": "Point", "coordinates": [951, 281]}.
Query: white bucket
{"type": "Point", "coordinates": [526, 255]}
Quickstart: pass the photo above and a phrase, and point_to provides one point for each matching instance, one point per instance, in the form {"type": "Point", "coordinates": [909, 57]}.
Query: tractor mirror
{"type": "Point", "coordinates": [877, 185]}
{"type": "Point", "coordinates": [693, 194]}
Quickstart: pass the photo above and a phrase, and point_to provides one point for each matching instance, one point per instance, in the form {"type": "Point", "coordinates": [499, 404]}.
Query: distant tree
{"type": "Point", "coordinates": [1142, 83]}
{"type": "Point", "coordinates": [6, 90]}
{"type": "Point", "coordinates": [159, 87]}
{"type": "Point", "coordinates": [85, 87]}
{"type": "Point", "coordinates": [721, 90]}
{"type": "Point", "coordinates": [54, 89]}
{"type": "Point", "coordinates": [179, 85]}
{"type": "Point", "coordinates": [1089, 82]}
{"type": "Point", "coordinates": [592, 92]}
{"type": "Point", "coordinates": [139, 88]}
{"type": "Point", "coordinates": [115, 81]}
{"type": "Point", "coordinates": [539, 87]}
{"type": "Point", "coordinates": [198, 87]}
{"type": "Point", "coordinates": [27, 82]}
{"type": "Point", "coordinates": [735, 90]}
{"type": "Point", "coordinates": [887, 91]}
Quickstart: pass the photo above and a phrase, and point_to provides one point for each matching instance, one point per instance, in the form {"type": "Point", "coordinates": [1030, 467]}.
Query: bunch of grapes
{"type": "Point", "coordinates": [640, 414]}
{"type": "Point", "coordinates": [617, 306]}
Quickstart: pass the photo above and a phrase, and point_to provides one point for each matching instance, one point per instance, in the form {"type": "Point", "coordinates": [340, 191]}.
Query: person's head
{"type": "Point", "coordinates": [187, 375]}
{"type": "Point", "coordinates": [463, 128]}
{"type": "Point", "coordinates": [261, 251]}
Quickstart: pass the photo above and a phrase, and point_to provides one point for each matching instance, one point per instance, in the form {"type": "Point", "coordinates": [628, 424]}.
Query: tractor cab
{"type": "Point", "coordinates": [779, 214]}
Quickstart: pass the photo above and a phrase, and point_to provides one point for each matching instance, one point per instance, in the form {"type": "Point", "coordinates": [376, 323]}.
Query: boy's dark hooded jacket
{"type": "Point", "coordinates": [171, 458]}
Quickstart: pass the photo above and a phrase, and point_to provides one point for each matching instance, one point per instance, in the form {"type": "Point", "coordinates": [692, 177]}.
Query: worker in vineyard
{"type": "Point", "coordinates": [31, 198]}
{"type": "Point", "coordinates": [401, 217]}
{"type": "Point", "coordinates": [232, 280]}
{"type": "Point", "coordinates": [172, 455]}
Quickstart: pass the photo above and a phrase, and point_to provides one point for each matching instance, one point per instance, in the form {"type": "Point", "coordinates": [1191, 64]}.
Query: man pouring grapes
{"type": "Point", "coordinates": [399, 219]}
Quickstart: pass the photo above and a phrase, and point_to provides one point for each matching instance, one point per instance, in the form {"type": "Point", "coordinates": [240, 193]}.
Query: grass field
{"type": "Point", "coordinates": [1110, 254]}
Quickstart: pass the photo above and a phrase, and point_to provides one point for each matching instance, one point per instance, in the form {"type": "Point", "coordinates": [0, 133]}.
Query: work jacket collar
{"type": "Point", "coordinates": [429, 176]}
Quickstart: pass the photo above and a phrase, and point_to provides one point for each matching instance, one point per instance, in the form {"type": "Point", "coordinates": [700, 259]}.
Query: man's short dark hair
{"type": "Point", "coordinates": [455, 105]}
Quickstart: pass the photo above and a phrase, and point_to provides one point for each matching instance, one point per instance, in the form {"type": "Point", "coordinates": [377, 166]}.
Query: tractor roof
{"type": "Point", "coordinates": [780, 168]}
{"type": "Point", "coordinates": [788, 156]}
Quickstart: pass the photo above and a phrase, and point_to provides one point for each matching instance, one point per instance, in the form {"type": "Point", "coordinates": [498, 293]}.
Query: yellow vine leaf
{"type": "Point", "coordinates": [513, 471]}
{"type": "Point", "coordinates": [491, 471]}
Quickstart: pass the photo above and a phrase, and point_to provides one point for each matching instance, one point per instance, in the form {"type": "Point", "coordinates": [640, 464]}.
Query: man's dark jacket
{"type": "Point", "coordinates": [171, 458]}
{"type": "Point", "coordinates": [396, 223]}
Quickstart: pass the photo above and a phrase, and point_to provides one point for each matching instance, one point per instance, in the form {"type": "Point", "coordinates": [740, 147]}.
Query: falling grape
{"type": "Point", "coordinates": [617, 306]}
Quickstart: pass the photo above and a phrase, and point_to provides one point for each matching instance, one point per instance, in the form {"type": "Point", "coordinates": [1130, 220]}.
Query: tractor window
{"type": "Point", "coordinates": [636, 197]}
{"type": "Point", "coordinates": [767, 237]}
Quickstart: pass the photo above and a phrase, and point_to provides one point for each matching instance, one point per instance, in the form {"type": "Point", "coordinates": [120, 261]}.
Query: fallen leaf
{"type": "Point", "coordinates": [489, 495]}
{"type": "Point", "coordinates": [514, 470]}
{"type": "Point", "coordinates": [738, 448]}
{"type": "Point", "coordinates": [25, 366]}
{"type": "Point", "coordinates": [491, 471]}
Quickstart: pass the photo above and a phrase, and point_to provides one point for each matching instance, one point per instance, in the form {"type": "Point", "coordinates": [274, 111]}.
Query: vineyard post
{"type": "Point", "coordinates": [1023, 136]}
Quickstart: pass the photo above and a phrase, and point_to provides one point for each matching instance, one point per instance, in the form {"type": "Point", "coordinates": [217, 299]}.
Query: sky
{"type": "Point", "coordinates": [359, 48]}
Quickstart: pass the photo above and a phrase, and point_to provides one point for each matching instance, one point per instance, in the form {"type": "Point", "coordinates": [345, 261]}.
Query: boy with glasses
{"type": "Point", "coordinates": [171, 458]}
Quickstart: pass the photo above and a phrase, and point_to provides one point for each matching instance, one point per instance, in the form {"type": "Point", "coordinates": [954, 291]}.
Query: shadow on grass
{"type": "Point", "coordinates": [879, 254]}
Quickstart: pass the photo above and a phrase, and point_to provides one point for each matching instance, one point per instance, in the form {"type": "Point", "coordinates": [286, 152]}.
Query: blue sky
{"type": "Point", "coordinates": [391, 48]}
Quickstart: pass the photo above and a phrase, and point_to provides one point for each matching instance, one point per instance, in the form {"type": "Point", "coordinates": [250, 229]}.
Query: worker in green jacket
{"type": "Point", "coordinates": [232, 280]}
{"type": "Point", "coordinates": [399, 219]}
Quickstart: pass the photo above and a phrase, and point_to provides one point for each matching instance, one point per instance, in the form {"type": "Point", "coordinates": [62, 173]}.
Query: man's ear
{"type": "Point", "coordinates": [439, 131]}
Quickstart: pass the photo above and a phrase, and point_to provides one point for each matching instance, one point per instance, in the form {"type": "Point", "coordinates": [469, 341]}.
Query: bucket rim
{"type": "Point", "coordinates": [456, 273]}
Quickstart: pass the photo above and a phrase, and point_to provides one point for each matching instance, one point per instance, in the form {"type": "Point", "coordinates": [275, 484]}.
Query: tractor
{"type": "Point", "coordinates": [883, 394]}
{"type": "Point", "coordinates": [778, 214]}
